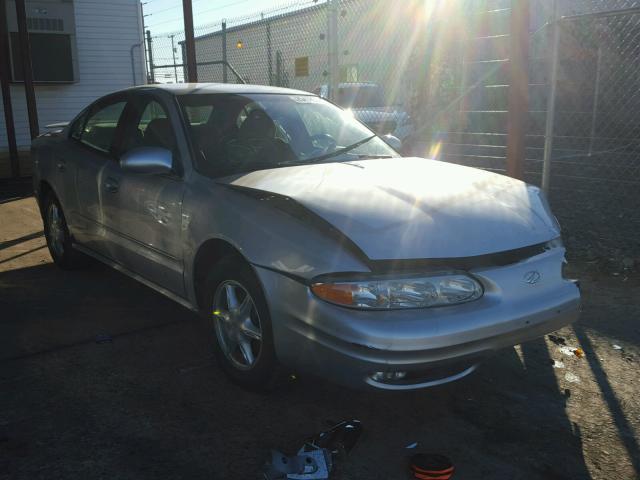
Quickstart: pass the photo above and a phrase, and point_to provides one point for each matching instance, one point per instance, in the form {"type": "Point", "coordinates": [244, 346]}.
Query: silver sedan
{"type": "Point", "coordinates": [303, 239]}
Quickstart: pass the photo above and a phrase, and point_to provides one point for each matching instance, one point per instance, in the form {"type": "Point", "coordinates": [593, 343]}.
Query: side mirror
{"type": "Point", "coordinates": [393, 141]}
{"type": "Point", "coordinates": [149, 160]}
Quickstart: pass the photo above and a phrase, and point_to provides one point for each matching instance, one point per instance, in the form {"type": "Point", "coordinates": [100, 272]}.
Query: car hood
{"type": "Point", "coordinates": [413, 208]}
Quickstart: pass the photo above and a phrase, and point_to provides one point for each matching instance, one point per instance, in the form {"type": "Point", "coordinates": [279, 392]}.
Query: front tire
{"type": "Point", "coordinates": [58, 237]}
{"type": "Point", "coordinates": [237, 316]}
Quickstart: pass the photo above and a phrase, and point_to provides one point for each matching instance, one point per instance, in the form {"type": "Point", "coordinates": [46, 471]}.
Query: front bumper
{"type": "Point", "coordinates": [348, 345]}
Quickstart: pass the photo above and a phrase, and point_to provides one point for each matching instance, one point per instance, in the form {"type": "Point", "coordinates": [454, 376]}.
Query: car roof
{"type": "Point", "coordinates": [208, 88]}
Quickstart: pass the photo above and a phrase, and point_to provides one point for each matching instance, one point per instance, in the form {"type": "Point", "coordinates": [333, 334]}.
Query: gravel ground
{"type": "Point", "coordinates": [151, 403]}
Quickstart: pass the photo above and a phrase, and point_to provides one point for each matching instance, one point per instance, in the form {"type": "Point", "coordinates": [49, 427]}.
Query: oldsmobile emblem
{"type": "Point", "coordinates": [532, 277]}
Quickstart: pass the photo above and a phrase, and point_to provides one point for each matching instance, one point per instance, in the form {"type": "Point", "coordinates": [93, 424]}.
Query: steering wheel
{"type": "Point", "coordinates": [323, 142]}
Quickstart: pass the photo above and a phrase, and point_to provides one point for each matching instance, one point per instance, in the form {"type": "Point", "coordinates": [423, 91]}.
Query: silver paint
{"type": "Point", "coordinates": [151, 226]}
{"type": "Point", "coordinates": [148, 160]}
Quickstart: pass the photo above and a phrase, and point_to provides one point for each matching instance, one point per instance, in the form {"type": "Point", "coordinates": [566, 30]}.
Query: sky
{"type": "Point", "coordinates": [165, 16]}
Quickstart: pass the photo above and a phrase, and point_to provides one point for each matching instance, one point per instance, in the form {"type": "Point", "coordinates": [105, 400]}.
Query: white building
{"type": "Point", "coordinates": [81, 50]}
{"type": "Point", "coordinates": [376, 41]}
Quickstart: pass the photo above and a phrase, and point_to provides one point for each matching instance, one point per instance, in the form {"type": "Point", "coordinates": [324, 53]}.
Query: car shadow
{"type": "Point", "coordinates": [111, 376]}
{"type": "Point", "coordinates": [15, 189]}
{"type": "Point", "coordinates": [622, 424]}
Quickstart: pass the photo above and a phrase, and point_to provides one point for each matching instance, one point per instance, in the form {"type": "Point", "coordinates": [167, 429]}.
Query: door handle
{"type": "Point", "coordinates": [61, 165]}
{"type": "Point", "coordinates": [111, 185]}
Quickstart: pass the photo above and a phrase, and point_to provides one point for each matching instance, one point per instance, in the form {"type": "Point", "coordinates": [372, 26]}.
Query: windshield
{"type": "Point", "coordinates": [241, 133]}
{"type": "Point", "coordinates": [360, 96]}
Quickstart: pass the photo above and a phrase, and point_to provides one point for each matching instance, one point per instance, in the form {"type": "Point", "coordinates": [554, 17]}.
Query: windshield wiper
{"type": "Point", "coordinates": [340, 151]}
{"type": "Point", "coordinates": [335, 153]}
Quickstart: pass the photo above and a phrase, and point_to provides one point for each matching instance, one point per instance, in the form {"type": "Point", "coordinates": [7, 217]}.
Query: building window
{"type": "Point", "coordinates": [50, 56]}
{"type": "Point", "coordinates": [302, 66]}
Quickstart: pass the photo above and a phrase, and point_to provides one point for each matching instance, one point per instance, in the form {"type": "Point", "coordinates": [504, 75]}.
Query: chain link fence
{"type": "Point", "coordinates": [435, 75]}
{"type": "Point", "coordinates": [595, 165]}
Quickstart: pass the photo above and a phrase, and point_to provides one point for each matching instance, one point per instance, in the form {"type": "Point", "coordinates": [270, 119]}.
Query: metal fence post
{"type": "Point", "coordinates": [152, 78]}
{"type": "Point", "coordinates": [173, 54]}
{"type": "Point", "coordinates": [224, 52]}
{"type": "Point", "coordinates": [518, 88]}
{"type": "Point", "coordinates": [332, 44]}
{"type": "Point", "coordinates": [596, 100]}
{"type": "Point", "coordinates": [551, 99]}
{"type": "Point", "coordinates": [279, 68]}
{"type": "Point", "coordinates": [269, 59]}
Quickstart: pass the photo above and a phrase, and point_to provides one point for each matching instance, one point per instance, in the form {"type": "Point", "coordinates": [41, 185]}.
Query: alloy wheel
{"type": "Point", "coordinates": [56, 229]}
{"type": "Point", "coordinates": [237, 324]}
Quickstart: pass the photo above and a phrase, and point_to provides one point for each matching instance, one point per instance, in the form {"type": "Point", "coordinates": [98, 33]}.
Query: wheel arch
{"type": "Point", "coordinates": [44, 188]}
{"type": "Point", "coordinates": [209, 254]}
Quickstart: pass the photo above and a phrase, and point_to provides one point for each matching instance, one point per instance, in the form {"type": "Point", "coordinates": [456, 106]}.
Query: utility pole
{"type": "Point", "coordinates": [152, 78]}
{"type": "Point", "coordinates": [147, 48]}
{"type": "Point", "coordinates": [189, 41]}
{"type": "Point", "coordinates": [517, 117]}
{"type": "Point", "coordinates": [173, 52]}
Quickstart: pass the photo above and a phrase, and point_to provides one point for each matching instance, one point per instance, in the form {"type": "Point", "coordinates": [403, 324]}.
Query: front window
{"type": "Point", "coordinates": [152, 127]}
{"type": "Point", "coordinates": [242, 133]}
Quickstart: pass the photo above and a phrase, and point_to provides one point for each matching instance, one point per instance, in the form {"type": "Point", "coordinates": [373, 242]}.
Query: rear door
{"type": "Point", "coordinates": [91, 151]}
{"type": "Point", "coordinates": [143, 212]}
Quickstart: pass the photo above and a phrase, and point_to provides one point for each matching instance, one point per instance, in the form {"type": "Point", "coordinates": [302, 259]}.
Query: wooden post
{"type": "Point", "coordinates": [6, 92]}
{"type": "Point", "coordinates": [189, 41]}
{"type": "Point", "coordinates": [518, 88]}
{"type": "Point", "coordinates": [27, 68]}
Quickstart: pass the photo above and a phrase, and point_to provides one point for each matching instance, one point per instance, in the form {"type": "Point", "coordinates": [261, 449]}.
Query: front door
{"type": "Point", "coordinates": [144, 212]}
{"type": "Point", "coordinates": [90, 153]}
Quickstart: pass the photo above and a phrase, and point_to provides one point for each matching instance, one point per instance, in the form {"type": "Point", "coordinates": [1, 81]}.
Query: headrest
{"type": "Point", "coordinates": [257, 125]}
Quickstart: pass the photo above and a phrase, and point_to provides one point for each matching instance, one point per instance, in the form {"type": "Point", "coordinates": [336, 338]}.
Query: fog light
{"type": "Point", "coordinates": [388, 376]}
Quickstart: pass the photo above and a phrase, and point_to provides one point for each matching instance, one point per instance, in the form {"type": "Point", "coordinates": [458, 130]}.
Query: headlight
{"type": "Point", "coordinates": [411, 292]}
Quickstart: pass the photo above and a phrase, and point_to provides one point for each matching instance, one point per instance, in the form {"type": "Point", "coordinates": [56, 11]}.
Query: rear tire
{"type": "Point", "coordinates": [237, 318]}
{"type": "Point", "coordinates": [58, 238]}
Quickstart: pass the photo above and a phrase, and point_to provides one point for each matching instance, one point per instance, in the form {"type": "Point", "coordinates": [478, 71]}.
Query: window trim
{"type": "Point", "coordinates": [81, 117]}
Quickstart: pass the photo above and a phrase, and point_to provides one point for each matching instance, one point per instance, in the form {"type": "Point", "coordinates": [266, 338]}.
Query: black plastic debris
{"type": "Point", "coordinates": [340, 438]}
{"type": "Point", "coordinates": [558, 340]}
